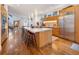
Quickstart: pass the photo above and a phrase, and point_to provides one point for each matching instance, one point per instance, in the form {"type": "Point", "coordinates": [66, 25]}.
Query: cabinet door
{"type": "Point", "coordinates": [69, 26]}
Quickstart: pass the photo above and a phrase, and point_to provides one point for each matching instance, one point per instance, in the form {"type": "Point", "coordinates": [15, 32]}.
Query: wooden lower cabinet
{"type": "Point", "coordinates": [55, 32]}
{"type": "Point", "coordinates": [44, 38]}
{"type": "Point", "coordinates": [3, 38]}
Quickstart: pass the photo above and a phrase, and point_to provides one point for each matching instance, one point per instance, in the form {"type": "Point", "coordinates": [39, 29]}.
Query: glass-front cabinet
{"type": "Point", "coordinates": [4, 24]}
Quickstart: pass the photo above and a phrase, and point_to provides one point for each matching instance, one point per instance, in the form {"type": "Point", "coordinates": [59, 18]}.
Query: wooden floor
{"type": "Point", "coordinates": [14, 45]}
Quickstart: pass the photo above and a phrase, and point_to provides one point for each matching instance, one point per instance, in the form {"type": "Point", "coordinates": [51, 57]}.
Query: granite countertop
{"type": "Point", "coordinates": [34, 30]}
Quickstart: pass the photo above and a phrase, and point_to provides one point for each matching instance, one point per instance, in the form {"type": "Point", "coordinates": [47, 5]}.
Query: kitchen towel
{"type": "Point", "coordinates": [75, 46]}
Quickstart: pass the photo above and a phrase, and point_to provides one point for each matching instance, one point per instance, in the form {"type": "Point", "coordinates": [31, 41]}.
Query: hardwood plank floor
{"type": "Point", "coordinates": [63, 46]}
{"type": "Point", "coordinates": [15, 45]}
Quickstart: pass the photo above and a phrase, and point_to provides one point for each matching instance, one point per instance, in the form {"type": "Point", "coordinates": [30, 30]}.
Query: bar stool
{"type": "Point", "coordinates": [30, 43]}
{"type": "Point", "coordinates": [26, 37]}
{"type": "Point", "coordinates": [22, 33]}
{"type": "Point", "coordinates": [33, 40]}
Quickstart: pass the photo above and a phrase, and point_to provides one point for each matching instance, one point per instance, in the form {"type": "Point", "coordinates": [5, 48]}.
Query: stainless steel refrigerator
{"type": "Point", "coordinates": [66, 24]}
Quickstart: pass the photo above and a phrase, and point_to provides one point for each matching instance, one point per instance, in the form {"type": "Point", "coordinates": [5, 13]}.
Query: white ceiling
{"type": "Point", "coordinates": [28, 9]}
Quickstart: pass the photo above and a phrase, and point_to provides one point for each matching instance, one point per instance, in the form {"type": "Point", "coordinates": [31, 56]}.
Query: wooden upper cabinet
{"type": "Point", "coordinates": [66, 10]}
{"type": "Point", "coordinates": [51, 18]}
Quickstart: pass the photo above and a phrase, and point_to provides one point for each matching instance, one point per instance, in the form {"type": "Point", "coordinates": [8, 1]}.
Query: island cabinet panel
{"type": "Point", "coordinates": [37, 37]}
{"type": "Point", "coordinates": [44, 38]}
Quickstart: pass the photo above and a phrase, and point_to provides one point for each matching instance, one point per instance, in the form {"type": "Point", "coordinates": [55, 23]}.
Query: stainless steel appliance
{"type": "Point", "coordinates": [61, 25]}
{"type": "Point", "coordinates": [66, 24]}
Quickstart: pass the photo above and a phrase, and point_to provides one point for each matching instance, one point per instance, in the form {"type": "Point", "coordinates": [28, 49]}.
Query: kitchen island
{"type": "Point", "coordinates": [37, 37]}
